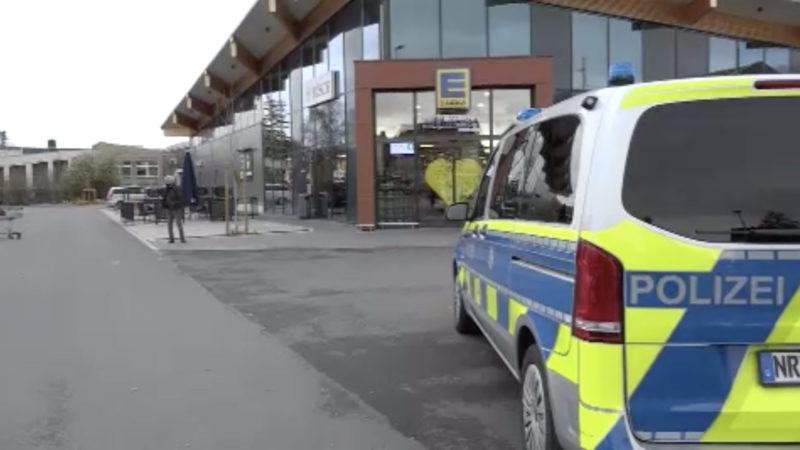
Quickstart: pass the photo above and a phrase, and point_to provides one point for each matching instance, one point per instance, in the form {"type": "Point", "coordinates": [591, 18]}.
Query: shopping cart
{"type": "Point", "coordinates": [10, 215]}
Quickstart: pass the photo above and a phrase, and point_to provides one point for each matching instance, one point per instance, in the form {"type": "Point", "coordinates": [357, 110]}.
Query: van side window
{"type": "Point", "coordinates": [510, 174]}
{"type": "Point", "coordinates": [546, 195]}
{"type": "Point", "coordinates": [479, 202]}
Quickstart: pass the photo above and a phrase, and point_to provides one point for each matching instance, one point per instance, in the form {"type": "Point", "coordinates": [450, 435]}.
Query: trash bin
{"type": "Point", "coordinates": [216, 208]}
{"type": "Point", "coordinates": [322, 205]}
{"type": "Point", "coordinates": [304, 206]}
{"type": "Point", "coordinates": [126, 211]}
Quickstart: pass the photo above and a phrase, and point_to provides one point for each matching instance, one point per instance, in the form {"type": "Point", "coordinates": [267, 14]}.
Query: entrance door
{"type": "Point", "coordinates": [449, 171]}
{"type": "Point", "coordinates": [418, 179]}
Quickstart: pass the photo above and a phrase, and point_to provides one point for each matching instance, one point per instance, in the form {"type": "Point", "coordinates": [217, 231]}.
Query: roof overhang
{"type": "Point", "coordinates": [273, 28]}
{"type": "Point", "coordinates": [270, 30]}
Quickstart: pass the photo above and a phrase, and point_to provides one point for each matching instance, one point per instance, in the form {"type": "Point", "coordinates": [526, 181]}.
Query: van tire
{"type": "Point", "coordinates": [535, 400]}
{"type": "Point", "coordinates": [464, 324]}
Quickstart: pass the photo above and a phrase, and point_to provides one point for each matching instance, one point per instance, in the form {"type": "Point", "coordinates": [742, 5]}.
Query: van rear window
{"type": "Point", "coordinates": [718, 170]}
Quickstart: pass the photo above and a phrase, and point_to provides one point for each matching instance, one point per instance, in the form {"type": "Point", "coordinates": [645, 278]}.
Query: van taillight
{"type": "Point", "coordinates": [597, 315]}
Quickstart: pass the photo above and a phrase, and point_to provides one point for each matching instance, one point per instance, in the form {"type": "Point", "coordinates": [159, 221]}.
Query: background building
{"type": "Point", "coordinates": [34, 174]}
{"type": "Point", "coordinates": [335, 101]}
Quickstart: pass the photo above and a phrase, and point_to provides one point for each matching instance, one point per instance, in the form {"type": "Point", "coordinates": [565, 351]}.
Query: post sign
{"type": "Point", "coordinates": [320, 89]}
{"type": "Point", "coordinates": [452, 91]}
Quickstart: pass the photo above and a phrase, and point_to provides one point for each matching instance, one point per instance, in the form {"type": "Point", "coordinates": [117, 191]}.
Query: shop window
{"type": "Point", "coordinates": [551, 34]}
{"type": "Point", "coordinates": [692, 54]}
{"type": "Point", "coordinates": [346, 44]}
{"type": "Point", "coordinates": [126, 169]}
{"type": "Point", "coordinates": [414, 29]}
{"type": "Point", "coordinates": [721, 56]}
{"type": "Point", "coordinates": [589, 51]}
{"type": "Point", "coordinates": [463, 28]}
{"type": "Point", "coordinates": [480, 110]}
{"type": "Point", "coordinates": [625, 44]}
{"type": "Point", "coordinates": [424, 108]}
{"type": "Point", "coordinates": [371, 31]}
{"type": "Point", "coordinates": [506, 104]}
{"type": "Point", "coordinates": [509, 27]}
{"type": "Point", "coordinates": [777, 59]}
{"type": "Point", "coordinates": [658, 46]}
{"type": "Point", "coordinates": [751, 57]}
{"type": "Point", "coordinates": [394, 116]}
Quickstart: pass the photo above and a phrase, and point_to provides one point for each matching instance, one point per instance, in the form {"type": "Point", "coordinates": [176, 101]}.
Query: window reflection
{"type": "Point", "coordinates": [371, 31]}
{"type": "Point", "coordinates": [589, 51]}
{"type": "Point", "coordinates": [394, 115]}
{"type": "Point", "coordinates": [506, 104]}
{"type": "Point", "coordinates": [425, 107]}
{"type": "Point", "coordinates": [751, 58]}
{"type": "Point", "coordinates": [414, 29]}
{"type": "Point", "coordinates": [777, 60]}
{"type": "Point", "coordinates": [721, 56]}
{"type": "Point", "coordinates": [480, 110]}
{"type": "Point", "coordinates": [463, 28]}
{"type": "Point", "coordinates": [509, 27]}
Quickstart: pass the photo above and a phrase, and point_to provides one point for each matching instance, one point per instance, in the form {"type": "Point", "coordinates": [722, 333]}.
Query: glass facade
{"type": "Point", "coordinates": [425, 161]}
{"type": "Point", "coordinates": [301, 150]}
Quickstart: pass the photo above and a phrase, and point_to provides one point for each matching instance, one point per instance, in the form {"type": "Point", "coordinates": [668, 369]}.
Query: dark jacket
{"type": "Point", "coordinates": [172, 198]}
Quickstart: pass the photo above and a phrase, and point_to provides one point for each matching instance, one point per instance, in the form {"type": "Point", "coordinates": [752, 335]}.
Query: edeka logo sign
{"type": "Point", "coordinates": [452, 90]}
{"type": "Point", "coordinates": [319, 90]}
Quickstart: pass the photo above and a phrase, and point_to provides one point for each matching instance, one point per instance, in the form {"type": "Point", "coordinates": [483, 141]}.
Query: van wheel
{"type": "Point", "coordinates": [537, 418]}
{"type": "Point", "coordinates": [464, 323]}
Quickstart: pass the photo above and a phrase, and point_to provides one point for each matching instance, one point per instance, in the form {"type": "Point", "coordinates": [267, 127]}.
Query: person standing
{"type": "Point", "coordinates": [172, 202]}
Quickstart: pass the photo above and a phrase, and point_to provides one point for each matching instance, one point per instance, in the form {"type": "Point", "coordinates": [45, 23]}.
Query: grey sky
{"type": "Point", "coordinates": [83, 71]}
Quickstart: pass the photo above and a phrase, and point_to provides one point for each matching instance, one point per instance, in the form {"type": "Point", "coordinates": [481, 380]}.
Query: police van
{"type": "Point", "coordinates": [633, 256]}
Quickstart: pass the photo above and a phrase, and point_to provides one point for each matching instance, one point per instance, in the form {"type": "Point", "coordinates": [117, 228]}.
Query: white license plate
{"type": "Point", "coordinates": [779, 368]}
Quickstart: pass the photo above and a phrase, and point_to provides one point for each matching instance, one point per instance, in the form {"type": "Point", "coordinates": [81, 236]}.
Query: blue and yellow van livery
{"type": "Point", "coordinates": [633, 256]}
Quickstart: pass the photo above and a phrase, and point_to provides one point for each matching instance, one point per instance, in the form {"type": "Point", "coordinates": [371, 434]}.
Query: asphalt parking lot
{"type": "Point", "coordinates": [378, 322]}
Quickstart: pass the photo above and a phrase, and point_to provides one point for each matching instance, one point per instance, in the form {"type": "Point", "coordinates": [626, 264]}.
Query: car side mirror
{"type": "Point", "coordinates": [457, 212]}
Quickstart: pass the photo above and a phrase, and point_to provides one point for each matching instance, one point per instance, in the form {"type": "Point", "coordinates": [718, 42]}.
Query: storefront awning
{"type": "Point", "coordinates": [271, 29]}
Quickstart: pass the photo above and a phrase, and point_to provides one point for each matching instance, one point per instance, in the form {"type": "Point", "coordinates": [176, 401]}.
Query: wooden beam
{"type": "Point", "coordinates": [194, 103]}
{"type": "Point", "coordinates": [713, 21]}
{"type": "Point", "coordinates": [279, 10]}
{"type": "Point", "coordinates": [242, 55]}
{"type": "Point", "coordinates": [697, 9]}
{"type": "Point", "coordinates": [216, 84]}
{"type": "Point", "coordinates": [183, 121]}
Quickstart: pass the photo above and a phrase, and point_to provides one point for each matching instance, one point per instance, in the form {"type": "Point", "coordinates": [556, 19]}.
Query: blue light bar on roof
{"type": "Point", "coordinates": [527, 113]}
{"type": "Point", "coordinates": [621, 73]}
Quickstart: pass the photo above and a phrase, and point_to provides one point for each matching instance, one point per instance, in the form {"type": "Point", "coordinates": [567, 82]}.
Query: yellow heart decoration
{"type": "Point", "coordinates": [439, 177]}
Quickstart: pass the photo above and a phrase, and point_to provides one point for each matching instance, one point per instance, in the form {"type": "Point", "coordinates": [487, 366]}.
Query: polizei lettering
{"type": "Point", "coordinates": [682, 290]}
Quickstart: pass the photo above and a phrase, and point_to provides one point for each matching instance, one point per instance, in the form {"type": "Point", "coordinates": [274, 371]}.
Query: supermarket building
{"type": "Point", "coordinates": [382, 112]}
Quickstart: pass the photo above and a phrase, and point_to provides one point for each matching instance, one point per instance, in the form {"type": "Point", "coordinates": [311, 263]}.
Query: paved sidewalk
{"type": "Point", "coordinates": [280, 232]}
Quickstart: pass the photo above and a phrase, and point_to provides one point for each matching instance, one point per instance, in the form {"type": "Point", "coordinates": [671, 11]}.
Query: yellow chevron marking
{"type": "Point", "coordinates": [563, 358]}
{"type": "Point", "coordinates": [753, 413]}
{"type": "Point", "coordinates": [787, 328]}
{"type": "Point", "coordinates": [651, 327]}
{"type": "Point", "coordinates": [594, 426]}
{"type": "Point", "coordinates": [639, 248]}
{"type": "Point", "coordinates": [491, 302]}
{"type": "Point", "coordinates": [515, 309]}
